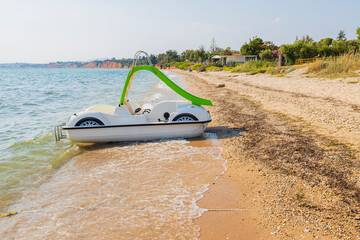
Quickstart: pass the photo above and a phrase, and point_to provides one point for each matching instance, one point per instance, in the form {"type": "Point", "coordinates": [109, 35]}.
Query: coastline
{"type": "Point", "coordinates": [132, 190]}
{"type": "Point", "coordinates": [287, 176]}
{"type": "Point", "coordinates": [285, 162]}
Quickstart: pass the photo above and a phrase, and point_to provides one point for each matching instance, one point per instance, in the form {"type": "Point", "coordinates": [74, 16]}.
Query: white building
{"type": "Point", "coordinates": [233, 58]}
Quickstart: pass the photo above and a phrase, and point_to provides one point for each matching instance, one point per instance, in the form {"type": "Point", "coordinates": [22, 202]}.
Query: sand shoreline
{"type": "Point", "coordinates": [292, 151]}
{"type": "Point", "coordinates": [290, 173]}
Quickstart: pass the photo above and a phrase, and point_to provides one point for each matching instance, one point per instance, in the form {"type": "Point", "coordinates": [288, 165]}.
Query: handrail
{"type": "Point", "coordinates": [136, 57]}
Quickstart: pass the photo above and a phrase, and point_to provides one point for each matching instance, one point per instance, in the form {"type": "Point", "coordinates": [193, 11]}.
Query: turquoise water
{"type": "Point", "coordinates": [33, 101]}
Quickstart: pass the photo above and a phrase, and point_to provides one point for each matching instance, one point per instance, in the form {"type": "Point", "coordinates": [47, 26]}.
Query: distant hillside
{"type": "Point", "coordinates": [122, 63]}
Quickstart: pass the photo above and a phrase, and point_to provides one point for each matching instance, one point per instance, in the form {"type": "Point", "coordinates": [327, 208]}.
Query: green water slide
{"type": "Point", "coordinates": [194, 99]}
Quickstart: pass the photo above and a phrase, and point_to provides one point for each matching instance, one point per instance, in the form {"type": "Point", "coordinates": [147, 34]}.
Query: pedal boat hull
{"type": "Point", "coordinates": [136, 132]}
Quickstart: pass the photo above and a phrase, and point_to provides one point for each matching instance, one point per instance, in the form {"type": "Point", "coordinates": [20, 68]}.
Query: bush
{"type": "Point", "coordinates": [288, 51]}
{"type": "Point", "coordinates": [183, 65]}
{"type": "Point", "coordinates": [253, 66]}
{"type": "Point", "coordinates": [214, 68]}
{"type": "Point", "coordinates": [215, 64]}
{"type": "Point", "coordinates": [230, 69]}
{"type": "Point", "coordinates": [196, 66]}
{"type": "Point", "coordinates": [344, 65]}
{"type": "Point", "coordinates": [266, 54]}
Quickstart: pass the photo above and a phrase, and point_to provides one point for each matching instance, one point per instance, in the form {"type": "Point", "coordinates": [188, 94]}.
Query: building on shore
{"type": "Point", "coordinates": [233, 58]}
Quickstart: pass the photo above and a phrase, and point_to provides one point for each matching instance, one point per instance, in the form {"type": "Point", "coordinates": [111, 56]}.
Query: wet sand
{"type": "Point", "coordinates": [292, 151]}
{"type": "Point", "coordinates": [143, 190]}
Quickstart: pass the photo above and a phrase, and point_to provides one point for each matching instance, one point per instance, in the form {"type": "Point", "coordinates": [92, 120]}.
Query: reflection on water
{"type": "Point", "coordinates": [142, 190]}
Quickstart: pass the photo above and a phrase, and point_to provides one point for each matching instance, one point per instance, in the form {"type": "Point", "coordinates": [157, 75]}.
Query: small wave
{"type": "Point", "coordinates": [31, 162]}
{"type": "Point", "coordinates": [29, 104]}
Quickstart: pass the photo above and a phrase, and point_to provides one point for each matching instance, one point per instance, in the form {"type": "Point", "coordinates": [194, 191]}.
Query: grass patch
{"type": "Point", "coordinates": [196, 66]}
{"type": "Point", "coordinates": [343, 66]}
{"type": "Point", "coordinates": [183, 65]}
{"type": "Point", "coordinates": [352, 82]}
{"type": "Point", "coordinates": [230, 69]}
{"type": "Point", "coordinates": [214, 68]}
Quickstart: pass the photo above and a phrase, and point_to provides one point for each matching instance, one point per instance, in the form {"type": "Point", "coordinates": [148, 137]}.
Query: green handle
{"type": "Point", "coordinates": [194, 99]}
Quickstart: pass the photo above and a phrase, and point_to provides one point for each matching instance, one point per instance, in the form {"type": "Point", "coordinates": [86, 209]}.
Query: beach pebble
{"type": "Point", "coordinates": [221, 85]}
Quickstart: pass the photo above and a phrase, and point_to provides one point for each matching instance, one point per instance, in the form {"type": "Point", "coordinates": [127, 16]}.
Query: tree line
{"type": "Point", "coordinates": [304, 47]}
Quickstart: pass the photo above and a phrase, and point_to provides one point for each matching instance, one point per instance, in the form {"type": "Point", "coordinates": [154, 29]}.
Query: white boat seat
{"type": "Point", "coordinates": [102, 108]}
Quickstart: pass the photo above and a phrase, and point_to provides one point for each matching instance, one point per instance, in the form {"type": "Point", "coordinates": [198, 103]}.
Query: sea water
{"type": "Point", "coordinates": [125, 190]}
{"type": "Point", "coordinates": [33, 101]}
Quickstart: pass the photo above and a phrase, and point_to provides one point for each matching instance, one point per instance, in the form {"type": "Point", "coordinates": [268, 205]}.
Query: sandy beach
{"type": "Point", "coordinates": [292, 150]}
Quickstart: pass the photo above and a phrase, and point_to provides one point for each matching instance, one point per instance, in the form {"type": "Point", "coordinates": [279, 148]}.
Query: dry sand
{"type": "Point", "coordinates": [292, 146]}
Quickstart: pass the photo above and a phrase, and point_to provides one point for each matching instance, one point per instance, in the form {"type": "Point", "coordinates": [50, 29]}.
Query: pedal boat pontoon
{"type": "Point", "coordinates": [167, 119]}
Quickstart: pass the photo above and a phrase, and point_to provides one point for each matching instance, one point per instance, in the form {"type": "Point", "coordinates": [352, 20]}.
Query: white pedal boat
{"type": "Point", "coordinates": [167, 119]}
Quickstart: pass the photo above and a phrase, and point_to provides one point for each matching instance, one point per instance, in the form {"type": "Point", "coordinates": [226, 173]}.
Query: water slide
{"type": "Point", "coordinates": [194, 99]}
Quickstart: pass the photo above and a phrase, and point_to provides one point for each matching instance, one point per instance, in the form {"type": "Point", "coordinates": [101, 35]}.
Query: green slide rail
{"type": "Point", "coordinates": [194, 99]}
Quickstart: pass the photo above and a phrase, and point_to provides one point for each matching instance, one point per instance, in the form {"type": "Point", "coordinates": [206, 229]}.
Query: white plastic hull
{"type": "Point", "coordinates": [135, 132]}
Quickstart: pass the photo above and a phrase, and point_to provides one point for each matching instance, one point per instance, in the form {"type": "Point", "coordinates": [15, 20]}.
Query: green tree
{"type": "Point", "coordinates": [325, 42]}
{"type": "Point", "coordinates": [341, 36]}
{"type": "Point", "coordinates": [245, 49]}
{"type": "Point", "coordinates": [352, 45]}
{"type": "Point", "coordinates": [254, 47]}
{"type": "Point", "coordinates": [227, 51]}
{"type": "Point", "coordinates": [213, 47]}
{"type": "Point", "coordinates": [339, 47]}
{"type": "Point", "coordinates": [201, 54]}
{"type": "Point", "coordinates": [288, 51]}
{"type": "Point", "coordinates": [153, 59]}
{"type": "Point", "coordinates": [307, 39]}
{"type": "Point", "coordinates": [168, 57]}
{"type": "Point", "coordinates": [266, 54]}
{"type": "Point", "coordinates": [187, 55]}
{"type": "Point", "coordinates": [270, 45]}
{"type": "Point", "coordinates": [358, 34]}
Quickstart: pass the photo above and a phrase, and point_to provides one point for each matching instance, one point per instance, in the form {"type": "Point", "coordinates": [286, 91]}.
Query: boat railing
{"type": "Point", "coordinates": [136, 58]}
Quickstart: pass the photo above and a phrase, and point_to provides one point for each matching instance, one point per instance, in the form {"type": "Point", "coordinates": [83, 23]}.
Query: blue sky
{"type": "Point", "coordinates": [69, 30]}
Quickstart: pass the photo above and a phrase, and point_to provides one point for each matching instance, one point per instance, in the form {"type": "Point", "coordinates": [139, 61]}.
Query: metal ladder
{"type": "Point", "coordinates": [58, 132]}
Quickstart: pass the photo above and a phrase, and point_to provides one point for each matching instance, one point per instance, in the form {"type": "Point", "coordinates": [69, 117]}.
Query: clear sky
{"type": "Point", "coordinates": [70, 30]}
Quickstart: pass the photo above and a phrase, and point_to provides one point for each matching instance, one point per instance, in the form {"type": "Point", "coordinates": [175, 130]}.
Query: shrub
{"type": "Point", "coordinates": [196, 66]}
{"type": "Point", "coordinates": [266, 54]}
{"type": "Point", "coordinates": [288, 50]}
{"type": "Point", "coordinates": [231, 69]}
{"type": "Point", "coordinates": [253, 66]}
{"type": "Point", "coordinates": [254, 47]}
{"type": "Point", "coordinates": [213, 68]}
{"type": "Point", "coordinates": [345, 64]}
{"type": "Point", "coordinates": [215, 64]}
{"type": "Point", "coordinates": [183, 65]}
{"type": "Point", "coordinates": [318, 66]}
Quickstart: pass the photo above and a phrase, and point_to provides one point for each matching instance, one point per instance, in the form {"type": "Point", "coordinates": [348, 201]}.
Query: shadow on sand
{"type": "Point", "coordinates": [224, 132]}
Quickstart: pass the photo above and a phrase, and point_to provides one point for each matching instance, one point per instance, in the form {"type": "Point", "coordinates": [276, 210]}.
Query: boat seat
{"type": "Point", "coordinates": [102, 108]}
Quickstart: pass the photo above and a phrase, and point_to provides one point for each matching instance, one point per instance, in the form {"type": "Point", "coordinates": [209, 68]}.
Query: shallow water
{"type": "Point", "coordinates": [33, 101]}
{"type": "Point", "coordinates": [139, 190]}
